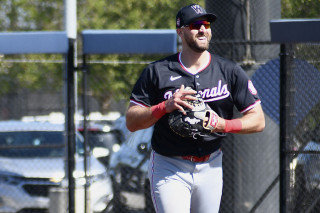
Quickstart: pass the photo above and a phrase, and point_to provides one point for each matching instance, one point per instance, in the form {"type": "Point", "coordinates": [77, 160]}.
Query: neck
{"type": "Point", "coordinates": [194, 61]}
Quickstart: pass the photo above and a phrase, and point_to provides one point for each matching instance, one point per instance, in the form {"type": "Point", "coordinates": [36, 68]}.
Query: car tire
{"type": "Point", "coordinates": [117, 202]}
{"type": "Point", "coordinates": [299, 189]}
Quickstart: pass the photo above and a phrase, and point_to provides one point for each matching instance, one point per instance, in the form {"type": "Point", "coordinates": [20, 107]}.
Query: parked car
{"type": "Point", "coordinates": [128, 168]}
{"type": "Point", "coordinates": [307, 176]}
{"type": "Point", "coordinates": [105, 136]}
{"type": "Point", "coordinates": [120, 125]}
{"type": "Point", "coordinates": [32, 162]}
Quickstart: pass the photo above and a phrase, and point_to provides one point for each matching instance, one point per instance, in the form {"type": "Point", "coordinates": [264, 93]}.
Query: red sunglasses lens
{"type": "Point", "coordinates": [197, 25]}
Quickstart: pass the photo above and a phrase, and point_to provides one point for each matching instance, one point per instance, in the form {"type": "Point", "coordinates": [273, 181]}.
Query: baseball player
{"type": "Point", "coordinates": [186, 172]}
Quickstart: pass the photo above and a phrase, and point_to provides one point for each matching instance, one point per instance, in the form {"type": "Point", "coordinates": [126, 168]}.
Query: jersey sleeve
{"type": "Point", "coordinates": [243, 91]}
{"type": "Point", "coordinates": [144, 91]}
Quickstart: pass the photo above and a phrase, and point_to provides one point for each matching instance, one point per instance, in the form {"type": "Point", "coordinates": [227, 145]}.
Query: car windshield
{"type": "Point", "coordinates": [30, 144]}
{"type": "Point", "coordinates": [102, 139]}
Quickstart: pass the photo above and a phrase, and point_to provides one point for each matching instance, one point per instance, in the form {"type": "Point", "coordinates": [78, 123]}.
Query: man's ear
{"type": "Point", "coordinates": [179, 32]}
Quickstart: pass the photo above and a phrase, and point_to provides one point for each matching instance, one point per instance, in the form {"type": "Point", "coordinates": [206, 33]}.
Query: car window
{"type": "Point", "coordinates": [102, 139]}
{"type": "Point", "coordinates": [34, 144]}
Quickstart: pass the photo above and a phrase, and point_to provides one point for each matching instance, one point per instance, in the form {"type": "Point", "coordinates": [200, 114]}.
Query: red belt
{"type": "Point", "coordinates": [196, 158]}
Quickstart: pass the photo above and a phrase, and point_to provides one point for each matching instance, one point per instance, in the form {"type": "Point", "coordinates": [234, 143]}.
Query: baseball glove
{"type": "Point", "coordinates": [199, 121]}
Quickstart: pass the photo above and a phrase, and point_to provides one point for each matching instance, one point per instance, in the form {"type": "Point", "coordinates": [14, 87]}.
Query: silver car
{"type": "Point", "coordinates": [128, 169]}
{"type": "Point", "coordinates": [307, 178]}
{"type": "Point", "coordinates": [32, 162]}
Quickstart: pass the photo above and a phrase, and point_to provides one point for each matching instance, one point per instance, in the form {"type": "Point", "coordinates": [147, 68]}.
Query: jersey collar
{"type": "Point", "coordinates": [186, 69]}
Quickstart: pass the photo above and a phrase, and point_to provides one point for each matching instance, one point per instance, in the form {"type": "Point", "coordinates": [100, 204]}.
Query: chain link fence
{"type": "Point", "coordinates": [241, 31]}
{"type": "Point", "coordinates": [303, 147]}
{"type": "Point", "coordinates": [250, 163]}
{"type": "Point", "coordinates": [31, 85]}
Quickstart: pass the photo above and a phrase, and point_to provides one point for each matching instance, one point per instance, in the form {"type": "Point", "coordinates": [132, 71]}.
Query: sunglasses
{"type": "Point", "coordinates": [197, 25]}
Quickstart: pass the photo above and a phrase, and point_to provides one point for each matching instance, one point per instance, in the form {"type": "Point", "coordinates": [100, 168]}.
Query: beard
{"type": "Point", "coordinates": [195, 46]}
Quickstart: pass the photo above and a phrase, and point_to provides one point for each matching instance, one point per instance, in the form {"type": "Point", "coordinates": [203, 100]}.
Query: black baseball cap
{"type": "Point", "coordinates": [191, 12]}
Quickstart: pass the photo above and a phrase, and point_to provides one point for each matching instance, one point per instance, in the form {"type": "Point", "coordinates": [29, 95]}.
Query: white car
{"type": "Point", "coordinates": [128, 168]}
{"type": "Point", "coordinates": [307, 178]}
{"type": "Point", "coordinates": [32, 162]}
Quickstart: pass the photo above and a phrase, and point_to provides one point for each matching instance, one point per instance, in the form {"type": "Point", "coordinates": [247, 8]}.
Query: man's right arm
{"type": "Point", "coordinates": [139, 117]}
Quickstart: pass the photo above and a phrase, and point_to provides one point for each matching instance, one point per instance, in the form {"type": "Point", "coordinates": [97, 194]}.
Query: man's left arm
{"type": "Point", "coordinates": [252, 121]}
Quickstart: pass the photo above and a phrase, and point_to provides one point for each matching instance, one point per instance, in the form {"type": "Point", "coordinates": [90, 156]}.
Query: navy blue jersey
{"type": "Point", "coordinates": [222, 83]}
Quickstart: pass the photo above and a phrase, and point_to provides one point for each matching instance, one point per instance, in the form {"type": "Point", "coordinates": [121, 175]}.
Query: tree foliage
{"type": "Point", "coordinates": [25, 15]}
{"type": "Point", "coordinates": [112, 78]}
{"type": "Point", "coordinates": [118, 78]}
{"type": "Point", "coordinates": [300, 8]}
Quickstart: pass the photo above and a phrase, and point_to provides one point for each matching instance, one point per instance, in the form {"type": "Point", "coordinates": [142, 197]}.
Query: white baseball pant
{"type": "Point", "coordinates": [182, 186]}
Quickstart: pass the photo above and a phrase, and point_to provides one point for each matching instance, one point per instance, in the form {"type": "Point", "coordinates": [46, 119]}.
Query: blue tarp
{"type": "Point", "coordinates": [307, 88]}
{"type": "Point", "coordinates": [55, 42]}
{"type": "Point", "coordinates": [129, 41]}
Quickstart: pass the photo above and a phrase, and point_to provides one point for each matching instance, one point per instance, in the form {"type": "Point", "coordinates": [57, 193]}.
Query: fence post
{"type": "Point", "coordinates": [85, 130]}
{"type": "Point", "coordinates": [58, 200]}
{"type": "Point", "coordinates": [286, 72]}
{"type": "Point", "coordinates": [69, 123]}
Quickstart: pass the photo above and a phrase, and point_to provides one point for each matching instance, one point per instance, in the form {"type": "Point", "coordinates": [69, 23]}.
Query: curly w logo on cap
{"type": "Point", "coordinates": [197, 9]}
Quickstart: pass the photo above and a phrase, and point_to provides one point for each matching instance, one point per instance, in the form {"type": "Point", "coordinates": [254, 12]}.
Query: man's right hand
{"type": "Point", "coordinates": [180, 98]}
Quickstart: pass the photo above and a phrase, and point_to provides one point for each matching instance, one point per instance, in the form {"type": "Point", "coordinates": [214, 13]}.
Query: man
{"type": "Point", "coordinates": [186, 173]}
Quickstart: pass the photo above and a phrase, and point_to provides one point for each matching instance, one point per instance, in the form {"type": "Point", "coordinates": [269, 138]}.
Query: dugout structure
{"type": "Point", "coordinates": [299, 112]}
